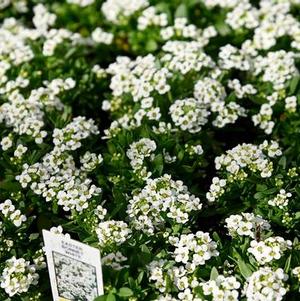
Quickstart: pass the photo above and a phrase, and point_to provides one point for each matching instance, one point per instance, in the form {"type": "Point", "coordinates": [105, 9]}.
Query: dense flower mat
{"type": "Point", "coordinates": [165, 133]}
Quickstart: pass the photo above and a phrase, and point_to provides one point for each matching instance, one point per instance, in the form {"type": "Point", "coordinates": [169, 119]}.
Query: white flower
{"type": "Point", "coordinates": [17, 218]}
{"type": "Point", "coordinates": [10, 212]}
{"type": "Point", "coordinates": [291, 104]}
{"type": "Point", "coordinates": [222, 288]}
{"type": "Point", "coordinates": [6, 143]}
{"type": "Point", "coordinates": [248, 157]}
{"type": "Point", "coordinates": [42, 18]}
{"type": "Point", "coordinates": [114, 10]}
{"type": "Point", "coordinates": [17, 276]}
{"type": "Point", "coordinates": [269, 249]}
{"type": "Point", "coordinates": [57, 178]}
{"type": "Point", "coordinates": [138, 152]}
{"type": "Point", "coordinates": [266, 284]}
{"type": "Point", "coordinates": [69, 137]}
{"type": "Point", "coordinates": [114, 260]}
{"type": "Point", "coordinates": [277, 67]}
{"type": "Point", "coordinates": [100, 36]}
{"type": "Point", "coordinates": [90, 161]}
{"type": "Point", "coordinates": [240, 90]}
{"type": "Point", "coordinates": [161, 196]}
{"type": "Point", "coordinates": [7, 207]}
{"type": "Point", "coordinates": [188, 114]}
{"type": "Point", "coordinates": [184, 57]}
{"type": "Point", "coordinates": [150, 17]}
{"type": "Point", "coordinates": [82, 3]}
{"type": "Point", "coordinates": [296, 272]}
{"type": "Point", "coordinates": [59, 231]}
{"type": "Point", "coordinates": [20, 151]}
{"type": "Point", "coordinates": [245, 224]}
{"type": "Point", "coordinates": [208, 91]}
{"type": "Point", "coordinates": [112, 233]}
{"type": "Point", "coordinates": [281, 200]}
{"type": "Point", "coordinates": [216, 189]}
{"type": "Point", "coordinates": [194, 249]}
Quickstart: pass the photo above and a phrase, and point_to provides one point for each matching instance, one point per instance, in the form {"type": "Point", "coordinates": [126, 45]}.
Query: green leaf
{"type": "Point", "coordinates": [125, 292]}
{"type": "Point", "coordinates": [244, 268]}
{"type": "Point", "coordinates": [188, 169]}
{"type": "Point", "coordinates": [297, 215]}
{"type": "Point", "coordinates": [213, 274]}
{"type": "Point", "coordinates": [151, 45]}
{"type": "Point", "coordinates": [131, 281]}
{"type": "Point", "coordinates": [159, 163]}
{"type": "Point", "coordinates": [258, 195]}
{"type": "Point", "coordinates": [100, 298]}
{"type": "Point", "coordinates": [33, 236]}
{"type": "Point", "coordinates": [217, 238]}
{"type": "Point", "coordinates": [180, 155]}
{"type": "Point", "coordinates": [145, 249]}
{"type": "Point", "coordinates": [231, 97]}
{"type": "Point", "coordinates": [110, 297]}
{"type": "Point", "coordinates": [282, 162]}
{"type": "Point", "coordinates": [294, 84]}
{"type": "Point", "coordinates": [261, 187]}
{"type": "Point", "coordinates": [222, 28]}
{"type": "Point", "coordinates": [140, 277]}
{"type": "Point", "coordinates": [10, 186]}
{"type": "Point", "coordinates": [181, 11]}
{"type": "Point", "coordinates": [287, 264]}
{"type": "Point", "coordinates": [270, 191]}
{"type": "Point", "coordinates": [297, 189]}
{"type": "Point", "coordinates": [111, 147]}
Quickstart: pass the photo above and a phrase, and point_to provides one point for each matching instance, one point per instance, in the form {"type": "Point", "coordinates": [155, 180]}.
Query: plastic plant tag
{"type": "Point", "coordinates": [74, 268]}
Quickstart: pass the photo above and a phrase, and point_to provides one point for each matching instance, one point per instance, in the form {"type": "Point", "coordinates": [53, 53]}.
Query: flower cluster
{"type": "Point", "coordinates": [296, 272]}
{"type": "Point", "coordinates": [82, 3]}
{"type": "Point", "coordinates": [249, 157]}
{"type": "Point", "coordinates": [211, 93]}
{"type": "Point", "coordinates": [245, 224]}
{"type": "Point", "coordinates": [57, 177]}
{"type": "Point", "coordinates": [281, 200]}
{"type": "Point", "coordinates": [163, 133]}
{"type": "Point", "coordinates": [116, 11]}
{"type": "Point", "coordinates": [9, 211]}
{"type": "Point", "coordinates": [25, 115]}
{"type": "Point", "coordinates": [222, 288]}
{"type": "Point", "coordinates": [269, 249]}
{"type": "Point", "coordinates": [90, 161]}
{"type": "Point", "coordinates": [112, 233]}
{"type": "Point", "coordinates": [100, 36]}
{"type": "Point", "coordinates": [138, 77]}
{"type": "Point", "coordinates": [188, 115]}
{"type": "Point", "coordinates": [181, 28]}
{"type": "Point", "coordinates": [194, 249]}
{"type": "Point", "coordinates": [114, 260]}
{"type": "Point", "coordinates": [69, 137]}
{"type": "Point", "coordinates": [266, 284]}
{"type": "Point", "coordinates": [150, 17]}
{"type": "Point", "coordinates": [277, 68]}
{"type": "Point", "coordinates": [240, 162]}
{"type": "Point", "coordinates": [161, 197]}
{"type": "Point", "coordinates": [18, 275]}
{"type": "Point", "coordinates": [185, 57]}
{"type": "Point", "coordinates": [137, 153]}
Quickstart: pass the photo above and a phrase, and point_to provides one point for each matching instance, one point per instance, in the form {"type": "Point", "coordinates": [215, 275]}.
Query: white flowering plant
{"type": "Point", "coordinates": [165, 134]}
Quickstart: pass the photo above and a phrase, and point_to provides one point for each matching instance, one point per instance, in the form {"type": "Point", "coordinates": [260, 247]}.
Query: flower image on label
{"type": "Point", "coordinates": [74, 268]}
